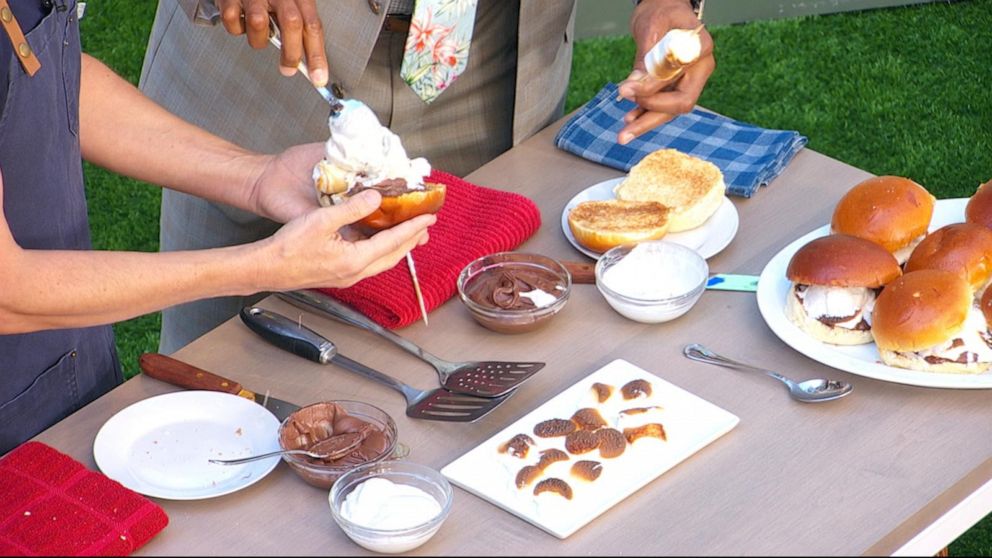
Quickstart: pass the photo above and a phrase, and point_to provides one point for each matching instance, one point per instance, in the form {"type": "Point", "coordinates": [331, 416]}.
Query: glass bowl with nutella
{"type": "Point", "coordinates": [392, 506]}
{"type": "Point", "coordinates": [514, 292]}
{"type": "Point", "coordinates": [349, 433]}
{"type": "Point", "coordinates": [651, 282]}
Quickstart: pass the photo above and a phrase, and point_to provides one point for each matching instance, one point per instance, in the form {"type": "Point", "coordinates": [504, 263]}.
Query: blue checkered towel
{"type": "Point", "coordinates": [749, 156]}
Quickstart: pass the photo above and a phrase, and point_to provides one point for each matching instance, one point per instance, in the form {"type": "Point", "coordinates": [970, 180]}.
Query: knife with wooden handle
{"type": "Point", "coordinates": [179, 373]}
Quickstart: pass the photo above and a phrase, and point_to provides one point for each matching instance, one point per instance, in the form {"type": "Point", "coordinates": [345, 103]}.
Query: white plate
{"type": "Point", "coordinates": [708, 239]}
{"type": "Point", "coordinates": [773, 290]}
{"type": "Point", "coordinates": [689, 422]}
{"type": "Point", "coordinates": [160, 446]}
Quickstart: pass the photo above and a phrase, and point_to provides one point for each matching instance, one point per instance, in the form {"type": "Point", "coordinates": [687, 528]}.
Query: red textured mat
{"type": "Point", "coordinates": [51, 505]}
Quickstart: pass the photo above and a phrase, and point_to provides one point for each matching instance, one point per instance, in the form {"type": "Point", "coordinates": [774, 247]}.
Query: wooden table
{"type": "Point", "coordinates": [891, 469]}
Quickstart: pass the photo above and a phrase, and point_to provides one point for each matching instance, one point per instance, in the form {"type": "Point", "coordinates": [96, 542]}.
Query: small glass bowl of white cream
{"type": "Point", "coordinates": [391, 506]}
{"type": "Point", "coordinates": [652, 282]}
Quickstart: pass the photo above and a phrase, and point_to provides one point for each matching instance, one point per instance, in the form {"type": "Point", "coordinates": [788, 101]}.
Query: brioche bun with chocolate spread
{"type": "Point", "coordinates": [891, 211]}
{"type": "Point", "coordinates": [399, 202]}
{"type": "Point", "coordinates": [927, 320]}
{"type": "Point", "coordinates": [961, 248]}
{"type": "Point", "coordinates": [979, 208]}
{"type": "Point", "coordinates": [835, 282]}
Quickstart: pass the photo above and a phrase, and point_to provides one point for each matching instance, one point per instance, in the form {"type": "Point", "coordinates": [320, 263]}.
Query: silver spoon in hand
{"type": "Point", "coordinates": [809, 391]}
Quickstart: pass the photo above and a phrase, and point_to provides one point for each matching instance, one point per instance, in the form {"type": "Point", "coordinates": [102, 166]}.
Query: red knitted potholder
{"type": "Point", "coordinates": [473, 222]}
{"type": "Point", "coordinates": [51, 505]}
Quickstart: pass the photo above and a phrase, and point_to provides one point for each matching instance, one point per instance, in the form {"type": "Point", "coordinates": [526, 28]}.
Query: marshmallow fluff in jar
{"type": "Point", "coordinates": [652, 282]}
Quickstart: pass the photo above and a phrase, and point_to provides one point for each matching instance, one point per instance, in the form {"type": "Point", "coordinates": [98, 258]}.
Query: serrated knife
{"type": "Point", "coordinates": [179, 373]}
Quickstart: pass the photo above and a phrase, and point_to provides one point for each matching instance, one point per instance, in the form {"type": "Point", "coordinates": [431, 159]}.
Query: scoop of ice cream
{"type": "Point", "coordinates": [361, 152]}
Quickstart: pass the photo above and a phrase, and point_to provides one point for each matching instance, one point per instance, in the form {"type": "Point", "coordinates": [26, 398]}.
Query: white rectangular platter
{"type": "Point", "coordinates": [690, 423]}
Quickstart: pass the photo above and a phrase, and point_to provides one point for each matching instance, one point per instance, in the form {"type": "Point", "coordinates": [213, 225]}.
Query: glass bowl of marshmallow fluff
{"type": "Point", "coordinates": [652, 282]}
{"type": "Point", "coordinates": [391, 506]}
{"type": "Point", "coordinates": [514, 292]}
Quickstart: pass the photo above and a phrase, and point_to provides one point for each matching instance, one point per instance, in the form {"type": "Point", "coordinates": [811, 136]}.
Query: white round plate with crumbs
{"type": "Point", "coordinates": [863, 360]}
{"type": "Point", "coordinates": [709, 239]}
{"type": "Point", "coordinates": [161, 446]}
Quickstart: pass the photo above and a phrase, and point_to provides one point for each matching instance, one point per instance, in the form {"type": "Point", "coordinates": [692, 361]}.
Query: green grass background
{"type": "Point", "coordinates": [904, 91]}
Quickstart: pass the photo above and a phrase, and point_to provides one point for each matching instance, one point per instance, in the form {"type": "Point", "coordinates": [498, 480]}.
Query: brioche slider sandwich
{"type": "Point", "coordinates": [979, 208]}
{"type": "Point", "coordinates": [835, 281]}
{"type": "Point", "coordinates": [961, 248]}
{"type": "Point", "coordinates": [892, 211]}
{"type": "Point", "coordinates": [927, 320]}
{"type": "Point", "coordinates": [691, 188]}
{"type": "Point", "coordinates": [363, 155]}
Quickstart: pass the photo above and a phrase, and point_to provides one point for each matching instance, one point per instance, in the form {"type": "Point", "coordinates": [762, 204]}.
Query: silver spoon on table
{"type": "Point", "coordinates": [809, 391]}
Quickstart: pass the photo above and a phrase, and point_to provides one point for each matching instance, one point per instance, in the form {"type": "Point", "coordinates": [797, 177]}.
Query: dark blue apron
{"type": "Point", "coordinates": [45, 376]}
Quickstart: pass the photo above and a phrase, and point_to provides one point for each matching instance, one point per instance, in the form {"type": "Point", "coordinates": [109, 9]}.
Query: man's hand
{"type": "Point", "coordinates": [299, 26]}
{"type": "Point", "coordinates": [658, 100]}
{"type": "Point", "coordinates": [283, 187]}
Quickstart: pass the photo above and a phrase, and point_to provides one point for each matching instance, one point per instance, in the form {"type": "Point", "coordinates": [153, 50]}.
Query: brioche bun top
{"type": "Point", "coordinates": [979, 208]}
{"type": "Point", "coordinates": [962, 248]}
{"type": "Point", "coordinates": [889, 210]}
{"type": "Point", "coordinates": [919, 310]}
{"type": "Point", "coordinates": [840, 260]}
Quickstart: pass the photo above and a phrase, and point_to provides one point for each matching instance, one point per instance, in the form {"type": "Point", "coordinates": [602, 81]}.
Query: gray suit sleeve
{"type": "Point", "coordinates": [203, 12]}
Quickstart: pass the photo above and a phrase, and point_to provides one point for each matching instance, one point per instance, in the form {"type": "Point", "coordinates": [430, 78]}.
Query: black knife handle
{"type": "Point", "coordinates": [288, 335]}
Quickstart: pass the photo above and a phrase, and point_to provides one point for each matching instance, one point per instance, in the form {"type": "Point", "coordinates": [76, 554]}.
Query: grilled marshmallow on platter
{"type": "Point", "coordinates": [961, 248]}
{"type": "Point", "coordinates": [927, 320]}
{"type": "Point", "coordinates": [835, 281]}
{"type": "Point", "coordinates": [892, 211]}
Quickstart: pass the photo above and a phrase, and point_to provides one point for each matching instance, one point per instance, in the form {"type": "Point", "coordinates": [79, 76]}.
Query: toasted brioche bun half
{"type": "Point", "coordinates": [601, 225]}
{"type": "Point", "coordinates": [399, 208]}
{"type": "Point", "coordinates": [919, 310]}
{"type": "Point", "coordinates": [840, 260]}
{"type": "Point", "coordinates": [692, 188]}
{"type": "Point", "coordinates": [979, 208]}
{"type": "Point", "coordinates": [961, 248]}
{"type": "Point", "coordinates": [890, 210]}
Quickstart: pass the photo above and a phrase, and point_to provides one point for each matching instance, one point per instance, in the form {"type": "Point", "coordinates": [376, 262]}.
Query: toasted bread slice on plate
{"type": "Point", "coordinates": [601, 225]}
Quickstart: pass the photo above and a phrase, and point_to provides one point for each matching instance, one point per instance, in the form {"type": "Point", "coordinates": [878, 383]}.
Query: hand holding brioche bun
{"type": "Point", "coordinates": [961, 248]}
{"type": "Point", "coordinates": [363, 155]}
{"type": "Point", "coordinates": [979, 208]}
{"type": "Point", "coordinates": [927, 320]}
{"type": "Point", "coordinates": [835, 282]}
{"type": "Point", "coordinates": [891, 211]}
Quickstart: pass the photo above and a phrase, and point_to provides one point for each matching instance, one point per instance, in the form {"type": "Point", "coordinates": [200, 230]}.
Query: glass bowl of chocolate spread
{"type": "Point", "coordinates": [514, 292]}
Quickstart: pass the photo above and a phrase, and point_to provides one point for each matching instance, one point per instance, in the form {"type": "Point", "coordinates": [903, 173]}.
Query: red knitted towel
{"type": "Point", "coordinates": [51, 505]}
{"type": "Point", "coordinates": [473, 222]}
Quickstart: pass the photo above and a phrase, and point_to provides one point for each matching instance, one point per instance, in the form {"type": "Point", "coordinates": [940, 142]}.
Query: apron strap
{"type": "Point", "coordinates": [21, 47]}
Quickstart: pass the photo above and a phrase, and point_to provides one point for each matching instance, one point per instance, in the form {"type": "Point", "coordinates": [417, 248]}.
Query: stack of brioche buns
{"type": "Point", "coordinates": [666, 192]}
{"type": "Point", "coordinates": [935, 314]}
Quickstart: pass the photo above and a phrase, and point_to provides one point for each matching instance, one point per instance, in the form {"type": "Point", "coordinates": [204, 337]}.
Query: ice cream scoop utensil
{"type": "Point", "coordinates": [483, 378]}
{"type": "Point", "coordinates": [437, 404]}
{"type": "Point", "coordinates": [337, 104]}
{"type": "Point", "coordinates": [809, 391]}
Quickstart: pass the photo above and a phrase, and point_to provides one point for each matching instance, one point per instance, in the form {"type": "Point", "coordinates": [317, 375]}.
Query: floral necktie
{"type": "Point", "coordinates": [437, 45]}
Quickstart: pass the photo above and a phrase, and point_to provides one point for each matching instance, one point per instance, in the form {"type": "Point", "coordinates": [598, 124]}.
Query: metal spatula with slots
{"type": "Point", "coordinates": [437, 404]}
{"type": "Point", "coordinates": [489, 378]}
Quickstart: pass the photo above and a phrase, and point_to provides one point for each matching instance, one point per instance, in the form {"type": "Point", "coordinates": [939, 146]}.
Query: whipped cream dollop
{"type": "Point", "coordinates": [379, 503]}
{"type": "Point", "coordinates": [367, 153]}
{"type": "Point", "coordinates": [854, 303]}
